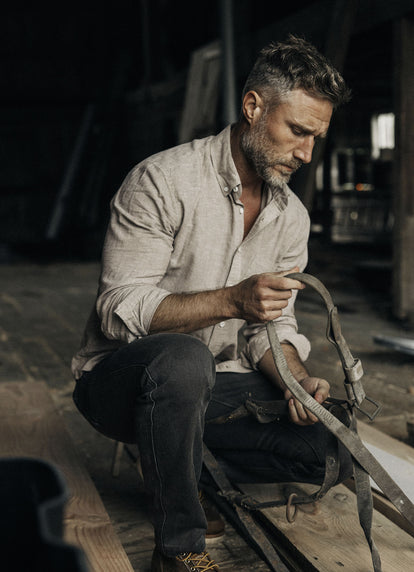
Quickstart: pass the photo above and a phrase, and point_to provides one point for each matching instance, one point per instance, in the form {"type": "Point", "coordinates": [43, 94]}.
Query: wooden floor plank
{"type": "Point", "coordinates": [370, 434]}
{"type": "Point", "coordinates": [330, 538]}
{"type": "Point", "coordinates": [398, 461]}
{"type": "Point", "coordinates": [31, 427]}
{"type": "Point", "coordinates": [50, 303]}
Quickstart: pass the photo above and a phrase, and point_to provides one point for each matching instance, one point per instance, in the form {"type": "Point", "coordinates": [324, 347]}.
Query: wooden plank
{"type": "Point", "coordinates": [372, 436]}
{"type": "Point", "coordinates": [30, 426]}
{"type": "Point", "coordinates": [398, 460]}
{"type": "Point", "coordinates": [328, 537]}
{"type": "Point", "coordinates": [385, 507]}
{"type": "Point", "coordinates": [202, 90]}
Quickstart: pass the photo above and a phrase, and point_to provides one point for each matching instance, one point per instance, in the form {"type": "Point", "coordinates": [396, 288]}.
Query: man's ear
{"type": "Point", "coordinates": [252, 106]}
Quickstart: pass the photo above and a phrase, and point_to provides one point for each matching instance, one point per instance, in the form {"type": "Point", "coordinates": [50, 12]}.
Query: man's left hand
{"type": "Point", "coordinates": [318, 388]}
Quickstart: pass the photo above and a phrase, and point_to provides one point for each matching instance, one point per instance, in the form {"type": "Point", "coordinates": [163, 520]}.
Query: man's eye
{"type": "Point", "coordinates": [297, 131]}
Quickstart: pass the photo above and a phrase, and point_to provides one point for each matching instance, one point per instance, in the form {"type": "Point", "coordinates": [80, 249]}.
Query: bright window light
{"type": "Point", "coordinates": [382, 133]}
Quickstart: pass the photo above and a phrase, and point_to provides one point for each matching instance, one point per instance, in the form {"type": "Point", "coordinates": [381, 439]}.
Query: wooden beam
{"type": "Point", "coordinates": [403, 192]}
{"type": "Point", "coordinates": [312, 21]}
{"type": "Point", "coordinates": [339, 33]}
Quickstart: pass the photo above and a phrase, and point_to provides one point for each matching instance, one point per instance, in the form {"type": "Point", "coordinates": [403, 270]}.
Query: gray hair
{"type": "Point", "coordinates": [295, 64]}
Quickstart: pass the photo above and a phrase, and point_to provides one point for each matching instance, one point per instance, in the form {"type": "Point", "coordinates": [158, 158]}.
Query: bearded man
{"type": "Point", "coordinates": [199, 243]}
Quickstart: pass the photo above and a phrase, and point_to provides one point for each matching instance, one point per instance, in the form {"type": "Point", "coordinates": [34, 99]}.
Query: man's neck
{"type": "Point", "coordinates": [251, 183]}
{"type": "Point", "coordinates": [250, 180]}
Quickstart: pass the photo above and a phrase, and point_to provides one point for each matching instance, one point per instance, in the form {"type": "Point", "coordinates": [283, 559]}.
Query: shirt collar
{"type": "Point", "coordinates": [223, 163]}
{"type": "Point", "coordinates": [228, 175]}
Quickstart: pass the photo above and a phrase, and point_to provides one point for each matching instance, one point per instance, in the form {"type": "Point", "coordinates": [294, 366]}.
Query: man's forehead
{"type": "Point", "coordinates": [310, 111]}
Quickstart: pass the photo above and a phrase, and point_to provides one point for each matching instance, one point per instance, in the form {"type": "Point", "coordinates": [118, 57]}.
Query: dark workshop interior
{"type": "Point", "coordinates": [88, 89]}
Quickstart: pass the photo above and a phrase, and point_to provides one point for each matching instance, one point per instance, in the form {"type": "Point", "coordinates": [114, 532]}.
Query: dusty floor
{"type": "Point", "coordinates": [43, 307]}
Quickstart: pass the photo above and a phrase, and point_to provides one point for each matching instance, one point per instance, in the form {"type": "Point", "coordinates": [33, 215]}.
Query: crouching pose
{"type": "Point", "coordinates": [199, 243]}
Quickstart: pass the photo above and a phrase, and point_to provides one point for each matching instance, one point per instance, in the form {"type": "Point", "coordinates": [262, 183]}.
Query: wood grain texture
{"type": "Point", "coordinates": [329, 538]}
{"type": "Point", "coordinates": [42, 312]}
{"type": "Point", "coordinates": [398, 451]}
{"type": "Point", "coordinates": [369, 434]}
{"type": "Point", "coordinates": [31, 427]}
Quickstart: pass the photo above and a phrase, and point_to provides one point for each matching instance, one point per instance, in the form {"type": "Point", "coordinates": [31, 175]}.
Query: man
{"type": "Point", "coordinates": [199, 242]}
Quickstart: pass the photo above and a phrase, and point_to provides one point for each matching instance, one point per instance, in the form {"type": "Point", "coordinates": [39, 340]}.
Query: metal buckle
{"type": "Point", "coordinates": [371, 416]}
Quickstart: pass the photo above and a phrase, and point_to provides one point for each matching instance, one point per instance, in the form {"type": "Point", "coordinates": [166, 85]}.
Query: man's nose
{"type": "Point", "coordinates": [304, 148]}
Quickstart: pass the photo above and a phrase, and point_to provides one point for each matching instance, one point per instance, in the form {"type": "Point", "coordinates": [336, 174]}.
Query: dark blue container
{"type": "Point", "coordinates": [33, 494]}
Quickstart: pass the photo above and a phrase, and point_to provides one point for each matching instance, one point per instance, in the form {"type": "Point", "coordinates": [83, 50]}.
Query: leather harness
{"type": "Point", "coordinates": [339, 418]}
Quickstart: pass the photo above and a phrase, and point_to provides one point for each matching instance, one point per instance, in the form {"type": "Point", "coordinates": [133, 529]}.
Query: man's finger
{"type": "Point", "coordinates": [299, 414]}
{"type": "Point", "coordinates": [282, 283]}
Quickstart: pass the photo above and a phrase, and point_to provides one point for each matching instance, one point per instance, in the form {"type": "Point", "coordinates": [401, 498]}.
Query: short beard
{"type": "Point", "coordinates": [254, 144]}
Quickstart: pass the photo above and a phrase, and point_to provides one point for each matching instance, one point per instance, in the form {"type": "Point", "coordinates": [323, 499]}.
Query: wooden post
{"type": "Point", "coordinates": [228, 71]}
{"type": "Point", "coordinates": [338, 36]}
{"type": "Point", "coordinates": [403, 192]}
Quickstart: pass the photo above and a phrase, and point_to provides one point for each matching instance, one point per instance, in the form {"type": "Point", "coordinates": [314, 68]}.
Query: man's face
{"type": "Point", "coordinates": [279, 142]}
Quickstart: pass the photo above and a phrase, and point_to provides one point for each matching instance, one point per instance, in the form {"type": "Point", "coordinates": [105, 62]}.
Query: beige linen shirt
{"type": "Point", "coordinates": [177, 226]}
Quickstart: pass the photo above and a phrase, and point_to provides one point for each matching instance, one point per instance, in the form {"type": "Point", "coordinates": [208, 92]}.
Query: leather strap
{"type": "Point", "coordinates": [253, 530]}
{"type": "Point", "coordinates": [342, 427]}
{"type": "Point", "coordinates": [365, 464]}
{"type": "Point", "coordinates": [349, 438]}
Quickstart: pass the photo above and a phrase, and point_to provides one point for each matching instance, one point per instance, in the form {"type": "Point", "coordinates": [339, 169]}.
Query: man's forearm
{"type": "Point", "coordinates": [184, 313]}
{"type": "Point", "coordinates": [318, 388]}
{"type": "Point", "coordinates": [259, 298]}
{"type": "Point", "coordinates": [268, 368]}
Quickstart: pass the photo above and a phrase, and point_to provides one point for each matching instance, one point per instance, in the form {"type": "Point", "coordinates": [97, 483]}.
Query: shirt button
{"type": "Point", "coordinates": [222, 324]}
{"type": "Point", "coordinates": [241, 210]}
{"type": "Point", "coordinates": [226, 189]}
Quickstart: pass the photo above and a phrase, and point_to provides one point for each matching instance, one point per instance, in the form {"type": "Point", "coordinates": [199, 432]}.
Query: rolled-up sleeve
{"type": "Point", "coordinates": [286, 325]}
{"type": "Point", "coordinates": [287, 331]}
{"type": "Point", "coordinates": [136, 253]}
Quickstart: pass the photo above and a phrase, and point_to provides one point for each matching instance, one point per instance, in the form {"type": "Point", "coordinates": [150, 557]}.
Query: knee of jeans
{"type": "Point", "coordinates": [184, 362]}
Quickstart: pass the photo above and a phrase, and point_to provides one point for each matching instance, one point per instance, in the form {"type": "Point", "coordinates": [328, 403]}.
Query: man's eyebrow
{"type": "Point", "coordinates": [308, 131]}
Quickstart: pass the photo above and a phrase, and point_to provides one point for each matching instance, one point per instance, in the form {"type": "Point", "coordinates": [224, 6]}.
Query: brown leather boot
{"type": "Point", "coordinates": [215, 523]}
{"type": "Point", "coordinates": [188, 561]}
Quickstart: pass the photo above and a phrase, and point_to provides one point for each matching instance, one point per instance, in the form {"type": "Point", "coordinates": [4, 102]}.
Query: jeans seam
{"type": "Point", "coordinates": [164, 512]}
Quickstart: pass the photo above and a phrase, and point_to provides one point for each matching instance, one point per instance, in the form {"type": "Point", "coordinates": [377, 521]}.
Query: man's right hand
{"type": "Point", "coordinates": [259, 298]}
{"type": "Point", "coordinates": [262, 297]}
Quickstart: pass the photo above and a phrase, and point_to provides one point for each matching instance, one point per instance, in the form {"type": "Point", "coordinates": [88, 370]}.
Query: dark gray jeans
{"type": "Point", "coordinates": [157, 392]}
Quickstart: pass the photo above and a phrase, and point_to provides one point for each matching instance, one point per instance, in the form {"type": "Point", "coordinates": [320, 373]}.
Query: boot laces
{"type": "Point", "coordinates": [198, 562]}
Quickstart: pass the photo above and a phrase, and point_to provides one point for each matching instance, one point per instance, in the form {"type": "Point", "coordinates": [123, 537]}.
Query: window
{"type": "Point", "coordinates": [382, 133]}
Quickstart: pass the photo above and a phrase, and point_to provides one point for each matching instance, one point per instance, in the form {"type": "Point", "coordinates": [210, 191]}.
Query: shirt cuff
{"type": "Point", "coordinates": [138, 308]}
{"type": "Point", "coordinates": [258, 345]}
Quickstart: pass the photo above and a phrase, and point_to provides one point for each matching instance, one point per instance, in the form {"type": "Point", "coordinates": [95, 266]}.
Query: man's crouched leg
{"type": "Point", "coordinates": [154, 392]}
{"type": "Point", "coordinates": [280, 451]}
